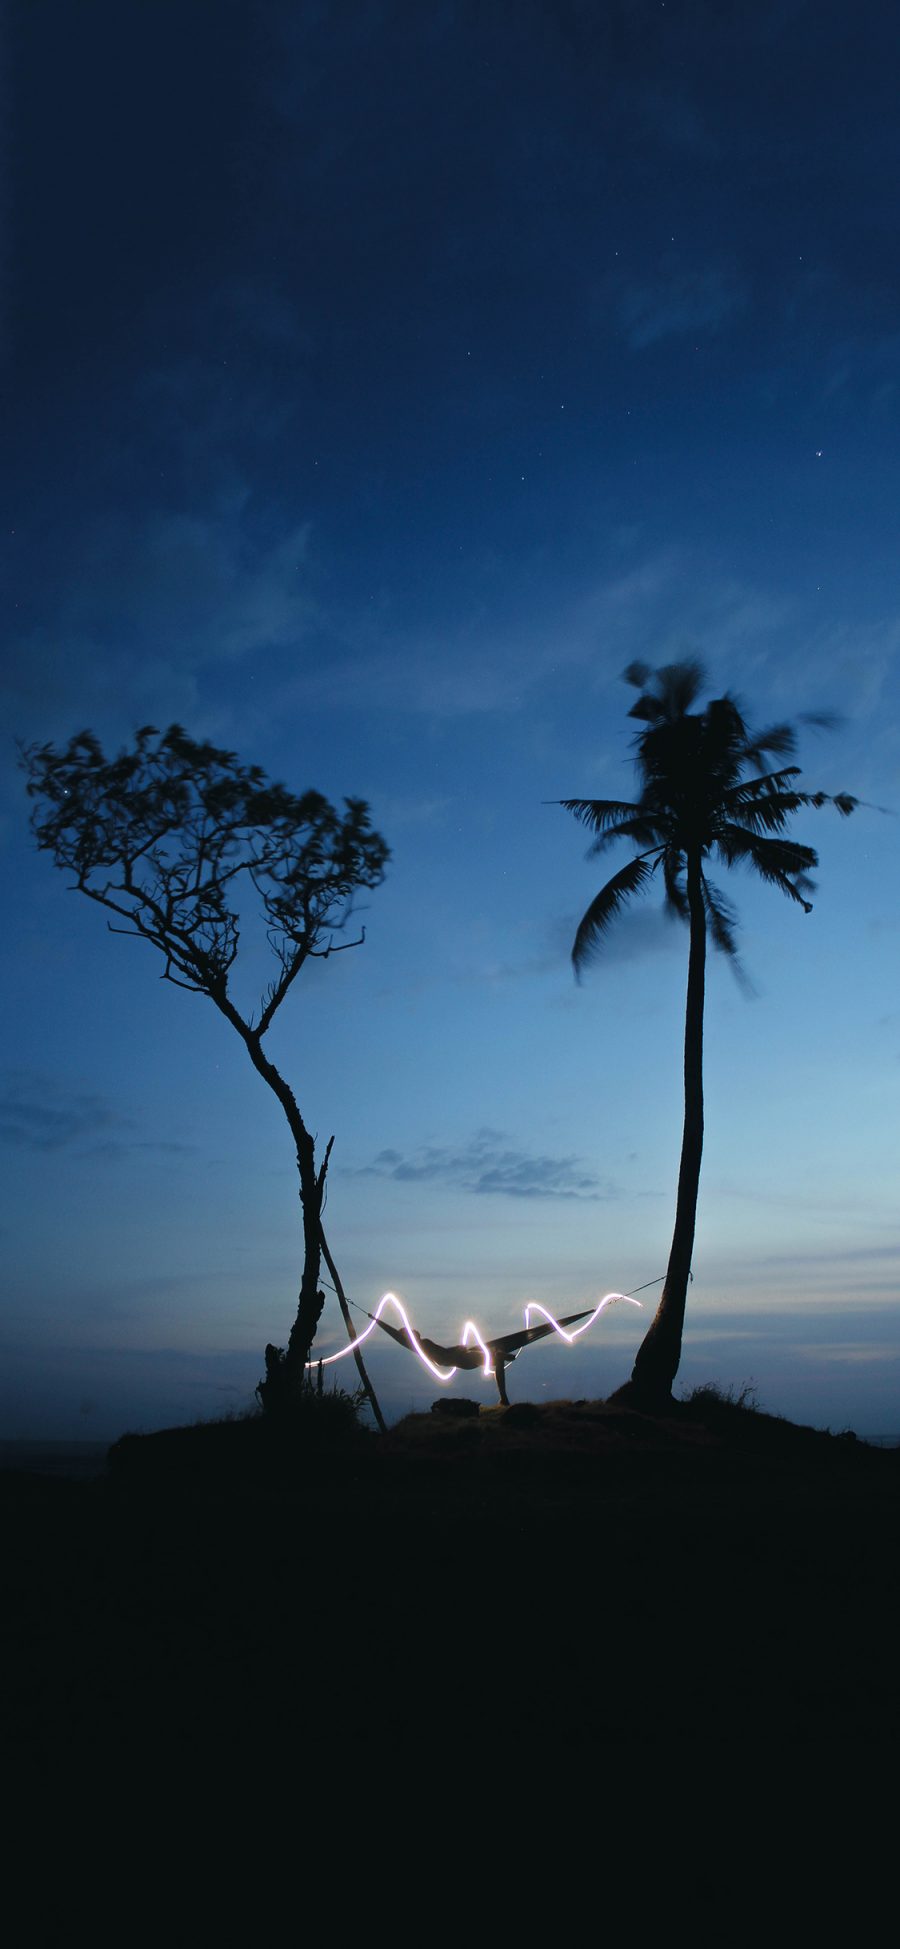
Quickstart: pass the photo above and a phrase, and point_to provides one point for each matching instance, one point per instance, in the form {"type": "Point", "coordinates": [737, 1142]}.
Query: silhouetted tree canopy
{"type": "Point", "coordinates": [167, 836]}
{"type": "Point", "coordinates": [163, 835]}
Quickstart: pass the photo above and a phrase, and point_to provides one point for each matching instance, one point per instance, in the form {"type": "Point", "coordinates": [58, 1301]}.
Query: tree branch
{"type": "Point", "coordinates": [342, 1302]}
{"type": "Point", "coordinates": [322, 953]}
{"type": "Point", "coordinates": [279, 991]}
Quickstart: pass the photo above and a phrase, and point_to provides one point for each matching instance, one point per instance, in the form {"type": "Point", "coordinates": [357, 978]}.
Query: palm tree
{"type": "Point", "coordinates": [705, 792]}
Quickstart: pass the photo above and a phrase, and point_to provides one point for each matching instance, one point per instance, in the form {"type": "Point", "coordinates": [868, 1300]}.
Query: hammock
{"type": "Point", "coordinates": [503, 1349]}
{"type": "Point", "coordinates": [491, 1356]}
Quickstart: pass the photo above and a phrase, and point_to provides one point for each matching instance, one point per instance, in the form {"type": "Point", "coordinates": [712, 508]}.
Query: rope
{"type": "Point", "coordinates": [632, 1290]}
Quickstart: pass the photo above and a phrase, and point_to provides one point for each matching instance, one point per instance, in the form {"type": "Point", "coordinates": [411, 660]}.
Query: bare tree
{"type": "Point", "coordinates": [166, 836]}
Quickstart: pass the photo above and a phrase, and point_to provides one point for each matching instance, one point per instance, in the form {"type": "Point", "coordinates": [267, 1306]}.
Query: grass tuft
{"type": "Point", "coordinates": [710, 1396]}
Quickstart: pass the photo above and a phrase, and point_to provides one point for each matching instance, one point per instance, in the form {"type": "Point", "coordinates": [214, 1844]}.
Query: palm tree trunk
{"type": "Point", "coordinates": [659, 1354]}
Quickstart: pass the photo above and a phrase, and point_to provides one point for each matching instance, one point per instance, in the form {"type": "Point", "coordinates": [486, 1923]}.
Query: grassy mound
{"type": "Point", "coordinates": [604, 1575]}
{"type": "Point", "coordinates": [251, 1449]}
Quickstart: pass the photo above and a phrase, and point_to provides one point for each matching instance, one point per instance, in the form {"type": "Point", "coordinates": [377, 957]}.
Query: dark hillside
{"type": "Point", "coordinates": [580, 1572]}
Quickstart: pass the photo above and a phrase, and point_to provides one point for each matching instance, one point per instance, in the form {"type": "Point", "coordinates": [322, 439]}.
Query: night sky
{"type": "Point", "coordinates": [379, 379]}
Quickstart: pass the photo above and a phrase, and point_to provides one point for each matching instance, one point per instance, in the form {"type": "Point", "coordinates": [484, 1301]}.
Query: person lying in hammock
{"type": "Point", "coordinates": [489, 1355]}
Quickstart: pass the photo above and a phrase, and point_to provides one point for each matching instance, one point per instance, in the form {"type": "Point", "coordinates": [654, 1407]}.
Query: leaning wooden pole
{"type": "Point", "coordinates": [342, 1302]}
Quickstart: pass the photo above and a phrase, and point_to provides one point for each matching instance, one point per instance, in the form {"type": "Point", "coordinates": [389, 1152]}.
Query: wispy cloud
{"type": "Point", "coordinates": [121, 1147]}
{"type": "Point", "coordinates": [859, 1354]}
{"type": "Point", "coordinates": [147, 604]}
{"type": "Point", "coordinates": [847, 1256]}
{"type": "Point", "coordinates": [489, 1166]}
{"type": "Point", "coordinates": [500, 660]}
{"type": "Point", "coordinates": [677, 301]}
{"type": "Point", "coordinates": [861, 373]}
{"type": "Point", "coordinates": [682, 603]}
{"type": "Point", "coordinates": [38, 1114]}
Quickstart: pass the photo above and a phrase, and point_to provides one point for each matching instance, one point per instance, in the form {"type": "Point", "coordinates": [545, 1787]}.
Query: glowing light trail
{"type": "Point", "coordinates": [388, 1299]}
{"type": "Point", "coordinates": [534, 1306]}
{"type": "Point", "coordinates": [507, 1347]}
{"type": "Point", "coordinates": [470, 1332]}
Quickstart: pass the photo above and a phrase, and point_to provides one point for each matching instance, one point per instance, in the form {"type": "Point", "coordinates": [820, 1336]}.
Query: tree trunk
{"type": "Point", "coordinates": [659, 1354]}
{"type": "Point", "coordinates": [311, 1300]}
{"type": "Point", "coordinates": [286, 1371]}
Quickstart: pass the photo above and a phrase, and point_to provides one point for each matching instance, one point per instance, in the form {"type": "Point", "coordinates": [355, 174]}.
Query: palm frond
{"type": "Point", "coordinates": [680, 685]}
{"type": "Point", "coordinates": [766, 803]}
{"type": "Point", "coordinates": [721, 917]}
{"type": "Point", "coordinates": [843, 800]}
{"type": "Point", "coordinates": [673, 875]}
{"type": "Point", "coordinates": [673, 690]}
{"type": "Point", "coordinates": [722, 922]}
{"type": "Point", "coordinates": [770, 857]}
{"type": "Point", "coordinates": [724, 735]}
{"type": "Point", "coordinates": [704, 791]}
{"type": "Point", "coordinates": [648, 708]}
{"type": "Point", "coordinates": [777, 741]}
{"type": "Point", "coordinates": [782, 862]}
{"type": "Point", "coordinates": [769, 810]}
{"type": "Point", "coordinates": [795, 888]}
{"type": "Point", "coordinates": [769, 814]}
{"type": "Point", "coordinates": [598, 813]}
{"type": "Point", "coordinates": [631, 878]}
{"type": "Point", "coordinates": [751, 788]}
{"type": "Point", "coordinates": [643, 829]}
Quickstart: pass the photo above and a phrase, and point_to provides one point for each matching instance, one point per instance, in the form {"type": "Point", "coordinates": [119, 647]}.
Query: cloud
{"type": "Point", "coordinates": [488, 1166]}
{"type": "Point", "coordinates": [203, 581]}
{"type": "Point", "coordinates": [859, 1353]}
{"type": "Point", "coordinates": [860, 373]}
{"type": "Point", "coordinates": [680, 602]}
{"type": "Point", "coordinates": [40, 1113]}
{"type": "Point", "coordinates": [496, 661]}
{"type": "Point", "coordinates": [119, 1147]}
{"type": "Point", "coordinates": [848, 1255]}
{"type": "Point", "coordinates": [676, 302]}
{"type": "Point", "coordinates": [146, 604]}
{"type": "Point", "coordinates": [466, 671]}
{"type": "Point", "coordinates": [37, 1113]}
{"type": "Point", "coordinates": [147, 610]}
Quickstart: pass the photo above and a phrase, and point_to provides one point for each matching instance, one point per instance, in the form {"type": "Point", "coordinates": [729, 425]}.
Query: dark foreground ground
{"type": "Point", "coordinates": [556, 1580]}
